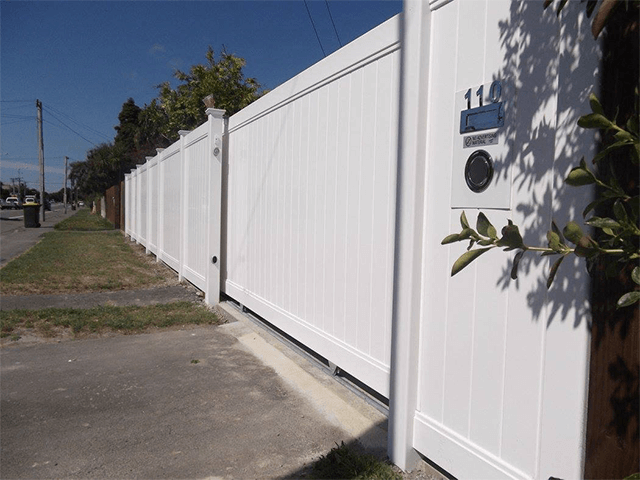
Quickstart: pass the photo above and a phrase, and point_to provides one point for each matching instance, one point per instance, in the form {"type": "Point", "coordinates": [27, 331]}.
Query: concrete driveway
{"type": "Point", "coordinates": [206, 402]}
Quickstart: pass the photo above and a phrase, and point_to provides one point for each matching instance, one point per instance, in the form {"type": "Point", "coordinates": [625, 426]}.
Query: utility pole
{"type": "Point", "coordinates": [41, 156]}
{"type": "Point", "coordinates": [65, 183]}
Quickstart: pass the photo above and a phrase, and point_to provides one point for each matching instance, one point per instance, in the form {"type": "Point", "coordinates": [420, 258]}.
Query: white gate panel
{"type": "Point", "coordinates": [143, 199]}
{"type": "Point", "coordinates": [489, 347]}
{"type": "Point", "coordinates": [311, 196]}
{"type": "Point", "coordinates": [197, 159]}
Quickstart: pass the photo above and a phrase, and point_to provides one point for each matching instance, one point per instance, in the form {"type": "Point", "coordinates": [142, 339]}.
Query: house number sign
{"type": "Point", "coordinates": [483, 117]}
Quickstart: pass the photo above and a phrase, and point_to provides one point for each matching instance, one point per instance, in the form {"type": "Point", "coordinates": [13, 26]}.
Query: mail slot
{"type": "Point", "coordinates": [481, 156]}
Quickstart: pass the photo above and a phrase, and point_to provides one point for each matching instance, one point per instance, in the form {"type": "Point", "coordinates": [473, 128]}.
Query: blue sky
{"type": "Point", "coordinates": [84, 59]}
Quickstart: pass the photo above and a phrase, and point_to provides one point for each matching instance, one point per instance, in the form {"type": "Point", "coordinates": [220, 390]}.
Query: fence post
{"type": "Point", "coordinates": [409, 225]}
{"type": "Point", "coordinates": [184, 197]}
{"type": "Point", "coordinates": [136, 205]}
{"type": "Point", "coordinates": [160, 239]}
{"type": "Point", "coordinates": [216, 128]}
{"type": "Point", "coordinates": [127, 202]}
{"type": "Point", "coordinates": [147, 213]}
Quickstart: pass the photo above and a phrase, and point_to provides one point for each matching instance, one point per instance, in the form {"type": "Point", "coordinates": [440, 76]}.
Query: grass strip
{"type": "Point", "coordinates": [344, 461]}
{"type": "Point", "coordinates": [49, 321]}
{"type": "Point", "coordinates": [68, 262]}
{"type": "Point", "coordinates": [84, 221]}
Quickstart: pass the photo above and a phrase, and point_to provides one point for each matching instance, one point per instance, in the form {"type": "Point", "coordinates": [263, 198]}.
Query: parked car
{"type": "Point", "coordinates": [30, 199]}
{"type": "Point", "coordinates": [13, 202]}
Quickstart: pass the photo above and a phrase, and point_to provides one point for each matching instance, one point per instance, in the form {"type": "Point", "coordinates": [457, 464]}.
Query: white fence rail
{"type": "Point", "coordinates": [327, 217]}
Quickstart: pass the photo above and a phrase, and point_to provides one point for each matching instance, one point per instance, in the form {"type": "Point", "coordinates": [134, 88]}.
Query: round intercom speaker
{"type": "Point", "coordinates": [479, 171]}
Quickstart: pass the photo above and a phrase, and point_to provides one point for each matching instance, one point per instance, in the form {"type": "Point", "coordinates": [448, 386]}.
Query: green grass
{"type": "Point", "coordinates": [84, 221]}
{"type": "Point", "coordinates": [47, 322]}
{"type": "Point", "coordinates": [73, 262]}
{"type": "Point", "coordinates": [345, 462]}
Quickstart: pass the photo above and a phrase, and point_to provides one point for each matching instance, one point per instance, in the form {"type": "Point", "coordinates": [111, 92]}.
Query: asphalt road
{"type": "Point", "coordinates": [15, 239]}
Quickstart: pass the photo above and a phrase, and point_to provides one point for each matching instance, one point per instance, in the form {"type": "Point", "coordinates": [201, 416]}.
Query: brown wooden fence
{"type": "Point", "coordinates": [113, 202]}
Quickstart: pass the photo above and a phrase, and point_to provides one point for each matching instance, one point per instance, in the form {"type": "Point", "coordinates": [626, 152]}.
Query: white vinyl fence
{"type": "Point", "coordinates": [173, 205]}
{"type": "Point", "coordinates": [322, 205]}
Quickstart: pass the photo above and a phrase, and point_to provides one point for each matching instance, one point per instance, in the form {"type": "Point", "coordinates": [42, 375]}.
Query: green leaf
{"type": "Point", "coordinates": [454, 237]}
{"type": "Point", "coordinates": [484, 227]}
{"type": "Point", "coordinates": [624, 137]}
{"type": "Point", "coordinates": [587, 247]}
{"type": "Point", "coordinates": [511, 238]}
{"type": "Point", "coordinates": [620, 212]}
{"type": "Point", "coordinates": [610, 148]}
{"type": "Point", "coordinates": [573, 232]}
{"type": "Point", "coordinates": [556, 230]}
{"type": "Point", "coordinates": [632, 125]}
{"type": "Point", "coordinates": [463, 220]}
{"type": "Point", "coordinates": [466, 233]}
{"type": "Point", "coordinates": [516, 262]}
{"type": "Point", "coordinates": [635, 275]}
{"type": "Point", "coordinates": [554, 242]}
{"type": "Point", "coordinates": [594, 120]}
{"type": "Point", "coordinates": [466, 258]}
{"type": "Point", "coordinates": [553, 271]}
{"type": "Point", "coordinates": [605, 222]}
{"type": "Point", "coordinates": [628, 299]}
{"type": "Point", "coordinates": [579, 176]}
{"type": "Point", "coordinates": [596, 106]}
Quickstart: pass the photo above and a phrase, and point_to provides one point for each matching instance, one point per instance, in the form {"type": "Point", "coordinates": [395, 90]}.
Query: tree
{"type": "Point", "coordinates": [142, 130]}
{"type": "Point", "coordinates": [182, 108]}
{"type": "Point", "coordinates": [98, 172]}
{"type": "Point", "coordinates": [124, 144]}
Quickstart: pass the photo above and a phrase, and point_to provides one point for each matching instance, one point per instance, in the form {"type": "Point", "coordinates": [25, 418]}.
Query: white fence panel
{"type": "Point", "coordinates": [170, 219]}
{"type": "Point", "coordinates": [143, 199]}
{"type": "Point", "coordinates": [311, 198]}
{"type": "Point", "coordinates": [502, 368]}
{"type": "Point", "coordinates": [153, 198]}
{"type": "Point", "coordinates": [196, 168]}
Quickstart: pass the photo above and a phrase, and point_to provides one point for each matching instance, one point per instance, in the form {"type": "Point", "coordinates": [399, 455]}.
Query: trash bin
{"type": "Point", "coordinates": [31, 213]}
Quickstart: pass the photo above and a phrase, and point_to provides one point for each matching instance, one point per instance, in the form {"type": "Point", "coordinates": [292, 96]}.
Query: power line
{"type": "Point", "coordinates": [69, 128]}
{"type": "Point", "coordinates": [326, 2]}
{"type": "Point", "coordinates": [314, 28]}
{"type": "Point", "coordinates": [80, 124]}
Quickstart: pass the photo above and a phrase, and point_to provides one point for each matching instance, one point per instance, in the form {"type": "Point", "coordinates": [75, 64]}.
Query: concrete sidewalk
{"type": "Point", "coordinates": [206, 402]}
{"type": "Point", "coordinates": [151, 296]}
